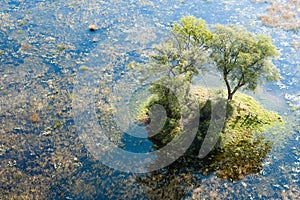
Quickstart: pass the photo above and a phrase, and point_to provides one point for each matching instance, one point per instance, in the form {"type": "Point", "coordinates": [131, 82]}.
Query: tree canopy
{"type": "Point", "coordinates": [242, 57]}
{"type": "Point", "coordinates": [184, 53]}
{"type": "Point", "coordinates": [172, 65]}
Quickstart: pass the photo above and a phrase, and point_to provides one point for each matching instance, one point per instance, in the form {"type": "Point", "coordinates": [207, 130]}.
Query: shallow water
{"type": "Point", "coordinates": [49, 59]}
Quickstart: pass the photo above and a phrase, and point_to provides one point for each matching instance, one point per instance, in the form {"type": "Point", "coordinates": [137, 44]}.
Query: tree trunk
{"type": "Point", "coordinates": [229, 93]}
{"type": "Point", "coordinates": [230, 96]}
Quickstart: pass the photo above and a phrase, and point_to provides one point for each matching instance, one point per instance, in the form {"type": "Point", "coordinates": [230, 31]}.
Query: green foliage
{"type": "Point", "coordinates": [183, 53]}
{"type": "Point", "coordinates": [242, 57]}
{"type": "Point", "coordinates": [244, 62]}
{"type": "Point", "coordinates": [166, 98]}
{"type": "Point", "coordinates": [242, 146]}
{"type": "Point", "coordinates": [173, 65]}
{"type": "Point", "coordinates": [248, 117]}
{"type": "Point", "coordinates": [61, 47]}
{"type": "Point", "coordinates": [192, 31]}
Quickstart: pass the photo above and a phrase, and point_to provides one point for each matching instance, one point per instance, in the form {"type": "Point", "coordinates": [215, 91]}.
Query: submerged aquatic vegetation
{"type": "Point", "coordinates": [242, 147]}
{"type": "Point", "coordinates": [283, 15]}
{"type": "Point", "coordinates": [83, 68]}
{"type": "Point", "coordinates": [61, 47]}
{"type": "Point", "coordinates": [239, 158]}
{"type": "Point", "coordinates": [31, 74]}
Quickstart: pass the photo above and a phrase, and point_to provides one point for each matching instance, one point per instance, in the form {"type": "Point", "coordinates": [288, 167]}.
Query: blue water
{"type": "Point", "coordinates": [48, 24]}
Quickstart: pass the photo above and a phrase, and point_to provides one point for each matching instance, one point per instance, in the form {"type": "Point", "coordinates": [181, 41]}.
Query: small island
{"type": "Point", "coordinates": [228, 122]}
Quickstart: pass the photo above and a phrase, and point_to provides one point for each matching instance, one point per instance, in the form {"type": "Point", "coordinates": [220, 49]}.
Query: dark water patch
{"type": "Point", "coordinates": [136, 140]}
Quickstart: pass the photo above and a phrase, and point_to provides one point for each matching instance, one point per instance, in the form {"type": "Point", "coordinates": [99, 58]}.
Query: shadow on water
{"type": "Point", "coordinates": [232, 163]}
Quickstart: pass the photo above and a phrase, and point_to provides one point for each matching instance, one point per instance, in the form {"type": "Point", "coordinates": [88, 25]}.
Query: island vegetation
{"type": "Point", "coordinates": [243, 60]}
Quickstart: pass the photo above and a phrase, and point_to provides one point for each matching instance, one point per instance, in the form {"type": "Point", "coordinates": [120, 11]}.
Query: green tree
{"type": "Point", "coordinates": [175, 61]}
{"type": "Point", "coordinates": [171, 68]}
{"type": "Point", "coordinates": [184, 52]}
{"type": "Point", "coordinates": [243, 58]}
